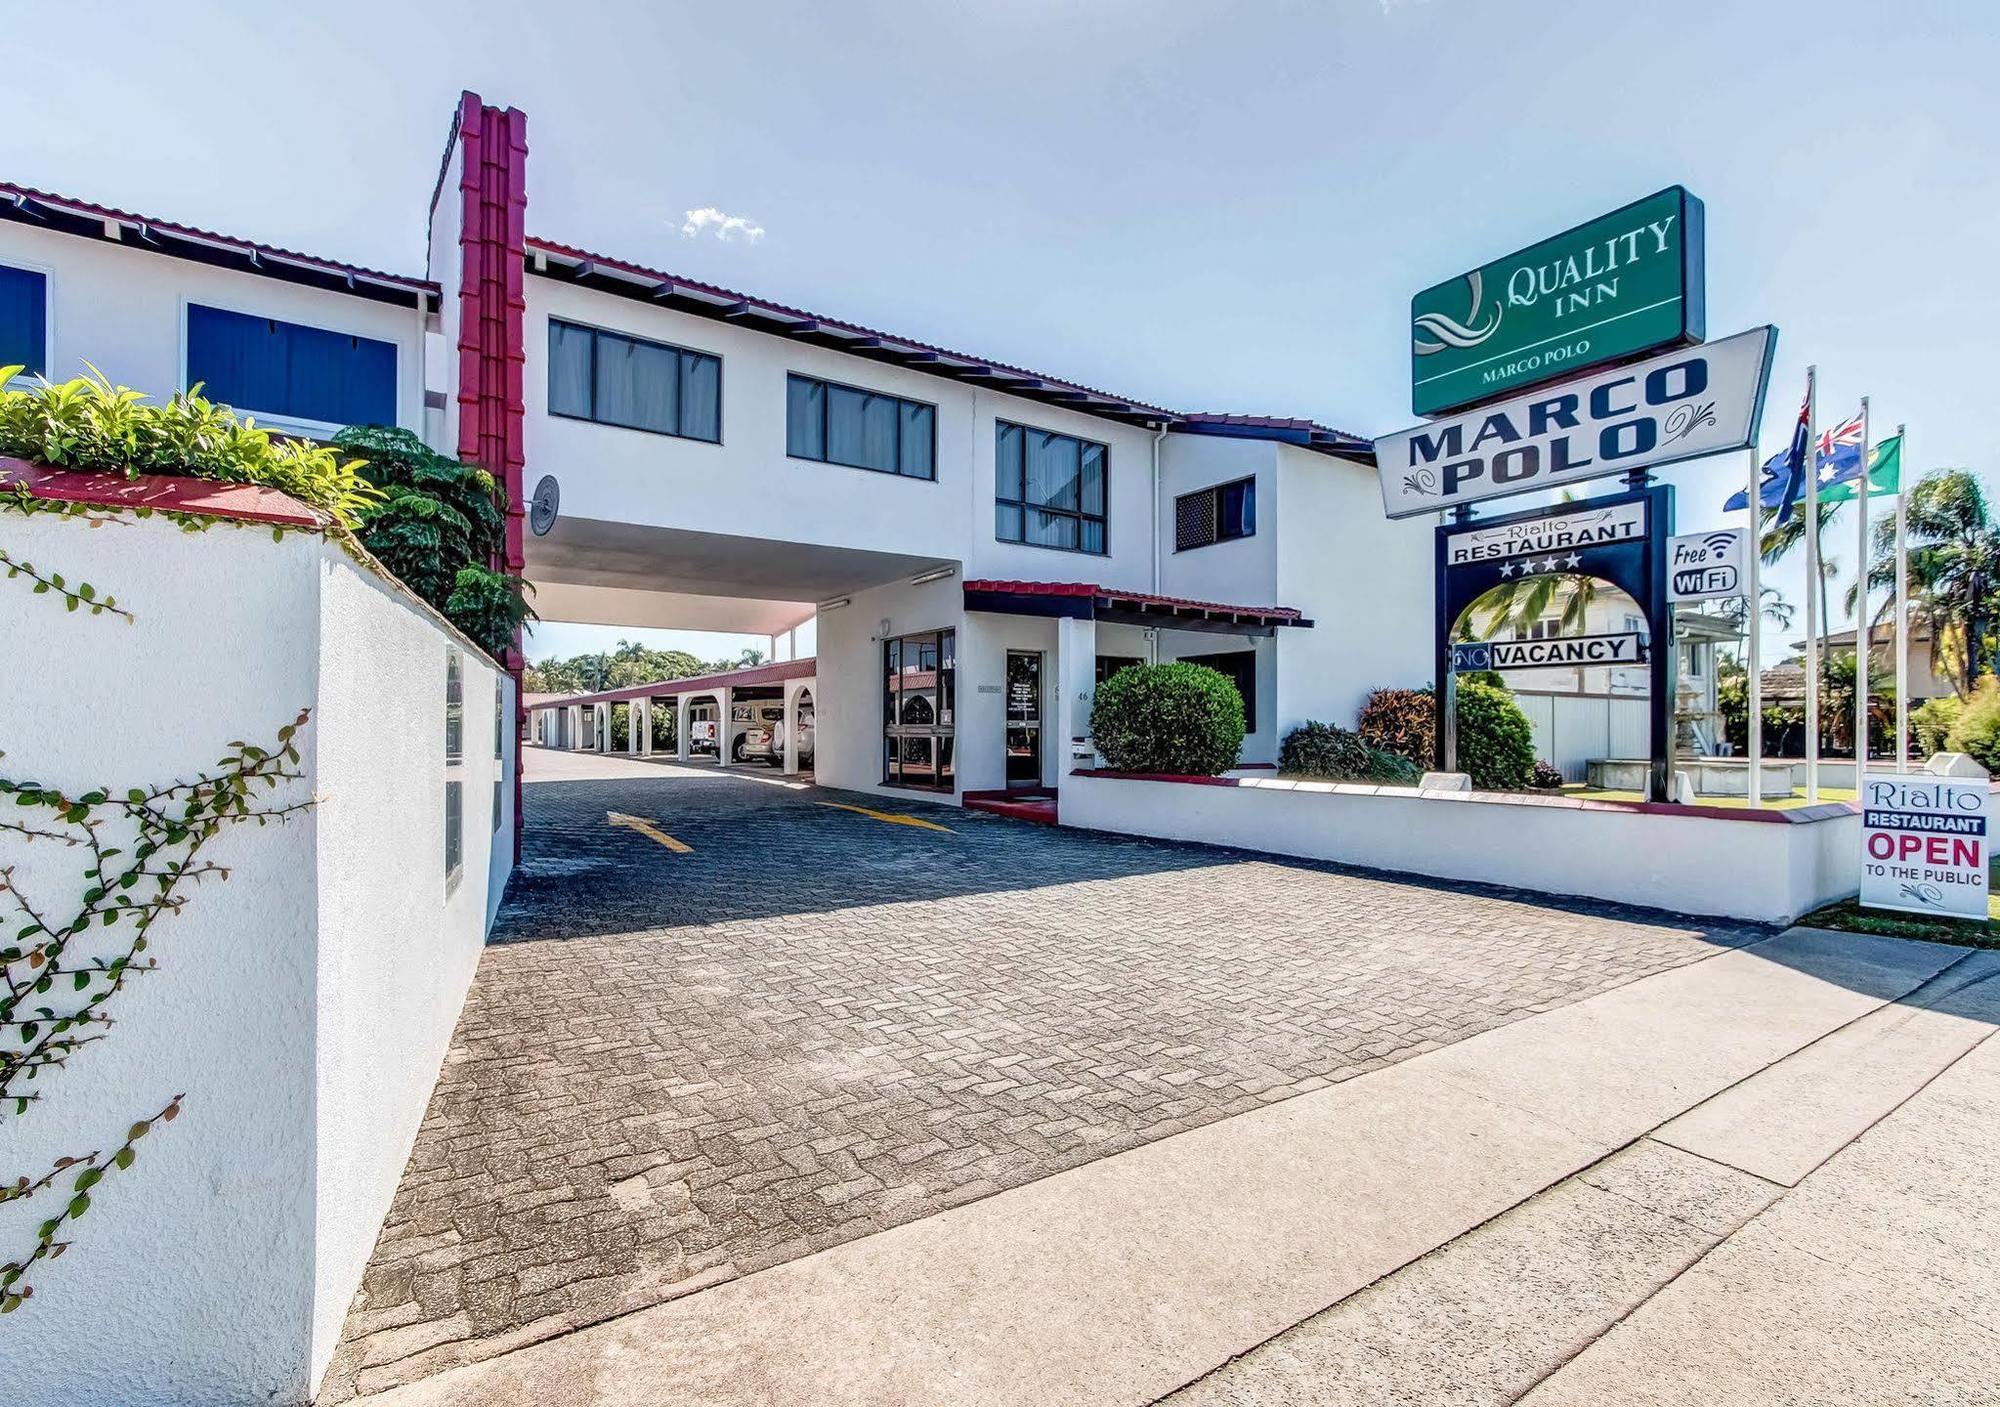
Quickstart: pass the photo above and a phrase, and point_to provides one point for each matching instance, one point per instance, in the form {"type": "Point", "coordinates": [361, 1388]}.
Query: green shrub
{"type": "Point", "coordinates": [1323, 750]}
{"type": "Point", "coordinates": [1931, 722]}
{"type": "Point", "coordinates": [489, 606]}
{"type": "Point", "coordinates": [1401, 721]}
{"type": "Point", "coordinates": [1977, 731]}
{"type": "Point", "coordinates": [1496, 745]}
{"type": "Point", "coordinates": [1545, 776]}
{"type": "Point", "coordinates": [89, 424]}
{"type": "Point", "coordinates": [1180, 719]}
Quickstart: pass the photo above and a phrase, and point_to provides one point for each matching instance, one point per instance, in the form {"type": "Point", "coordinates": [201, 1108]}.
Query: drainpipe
{"type": "Point", "coordinates": [1158, 435]}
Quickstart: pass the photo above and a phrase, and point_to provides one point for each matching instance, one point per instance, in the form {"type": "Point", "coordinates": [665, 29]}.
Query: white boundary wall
{"type": "Point", "coordinates": [1768, 871]}
{"type": "Point", "coordinates": [304, 1006]}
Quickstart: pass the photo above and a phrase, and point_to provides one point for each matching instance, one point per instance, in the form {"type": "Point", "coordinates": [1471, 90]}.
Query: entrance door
{"type": "Point", "coordinates": [1024, 718]}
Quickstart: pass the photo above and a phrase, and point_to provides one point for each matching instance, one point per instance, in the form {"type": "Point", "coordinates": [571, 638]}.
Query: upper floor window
{"type": "Point", "coordinates": [1216, 514]}
{"type": "Point", "coordinates": [265, 366]}
{"type": "Point", "coordinates": [1048, 489]}
{"type": "Point", "coordinates": [861, 429]}
{"type": "Point", "coordinates": [24, 320]}
{"type": "Point", "coordinates": [619, 380]}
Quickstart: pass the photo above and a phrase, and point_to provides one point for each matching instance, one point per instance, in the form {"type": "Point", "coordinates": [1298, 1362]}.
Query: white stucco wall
{"type": "Point", "coordinates": [847, 707]}
{"type": "Point", "coordinates": [302, 1006]}
{"type": "Point", "coordinates": [1242, 571]}
{"type": "Point", "coordinates": [1364, 581]}
{"type": "Point", "coordinates": [1766, 871]}
{"type": "Point", "coordinates": [748, 486]}
{"type": "Point", "coordinates": [397, 946]}
{"type": "Point", "coordinates": [123, 308]}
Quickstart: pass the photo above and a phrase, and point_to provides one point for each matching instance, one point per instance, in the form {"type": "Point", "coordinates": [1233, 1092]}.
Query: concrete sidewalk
{"type": "Point", "coordinates": [1126, 1279]}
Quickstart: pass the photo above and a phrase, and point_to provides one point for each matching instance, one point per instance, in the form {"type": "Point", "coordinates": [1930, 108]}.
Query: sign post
{"type": "Point", "coordinates": [1923, 844]}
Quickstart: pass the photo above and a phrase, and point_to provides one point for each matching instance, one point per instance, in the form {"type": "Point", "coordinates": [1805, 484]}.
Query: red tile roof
{"type": "Point", "coordinates": [1114, 596]}
{"type": "Point", "coordinates": [664, 688]}
{"type": "Point", "coordinates": [27, 201]}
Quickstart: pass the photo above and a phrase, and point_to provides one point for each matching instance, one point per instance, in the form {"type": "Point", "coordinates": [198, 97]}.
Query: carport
{"type": "Point", "coordinates": [582, 722]}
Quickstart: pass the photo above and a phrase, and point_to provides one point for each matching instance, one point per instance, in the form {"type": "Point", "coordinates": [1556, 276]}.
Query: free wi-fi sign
{"type": "Point", "coordinates": [1703, 566]}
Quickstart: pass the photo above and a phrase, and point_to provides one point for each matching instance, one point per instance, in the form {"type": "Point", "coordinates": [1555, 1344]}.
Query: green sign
{"type": "Point", "coordinates": [1615, 288]}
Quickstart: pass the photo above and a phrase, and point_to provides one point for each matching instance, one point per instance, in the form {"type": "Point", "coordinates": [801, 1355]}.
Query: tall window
{"type": "Point", "coordinates": [24, 320]}
{"type": "Point", "coordinates": [627, 381]}
{"type": "Point", "coordinates": [1049, 489]}
{"type": "Point", "coordinates": [919, 701]}
{"type": "Point", "coordinates": [454, 765]}
{"type": "Point", "coordinates": [1240, 668]}
{"type": "Point", "coordinates": [1218, 514]}
{"type": "Point", "coordinates": [265, 366]}
{"type": "Point", "coordinates": [862, 429]}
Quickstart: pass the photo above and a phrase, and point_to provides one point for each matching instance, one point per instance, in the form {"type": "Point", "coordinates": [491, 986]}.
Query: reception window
{"type": "Point", "coordinates": [919, 706]}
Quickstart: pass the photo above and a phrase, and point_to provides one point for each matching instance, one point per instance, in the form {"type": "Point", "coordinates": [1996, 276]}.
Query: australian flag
{"type": "Point", "coordinates": [1784, 478]}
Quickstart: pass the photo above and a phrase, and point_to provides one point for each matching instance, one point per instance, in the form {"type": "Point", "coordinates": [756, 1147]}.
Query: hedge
{"type": "Point", "coordinates": [1180, 719]}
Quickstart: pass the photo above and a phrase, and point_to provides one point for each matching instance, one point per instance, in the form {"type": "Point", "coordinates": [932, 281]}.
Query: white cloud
{"type": "Point", "coordinates": [709, 220]}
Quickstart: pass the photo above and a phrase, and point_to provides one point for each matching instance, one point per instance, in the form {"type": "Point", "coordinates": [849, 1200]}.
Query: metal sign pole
{"type": "Point", "coordinates": [1813, 583]}
{"type": "Point", "coordinates": [1902, 608]}
{"type": "Point", "coordinates": [1864, 632]}
{"type": "Point", "coordinates": [1754, 682]}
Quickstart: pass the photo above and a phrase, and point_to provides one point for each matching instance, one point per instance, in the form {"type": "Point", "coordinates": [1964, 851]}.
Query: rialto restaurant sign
{"type": "Point", "coordinates": [1565, 531]}
{"type": "Point", "coordinates": [1682, 405]}
{"type": "Point", "coordinates": [1614, 288]}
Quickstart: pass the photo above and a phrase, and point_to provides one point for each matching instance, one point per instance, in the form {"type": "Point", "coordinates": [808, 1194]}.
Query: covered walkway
{"type": "Point", "coordinates": [704, 709]}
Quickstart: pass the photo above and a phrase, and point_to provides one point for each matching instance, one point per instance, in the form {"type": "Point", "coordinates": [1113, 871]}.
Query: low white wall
{"type": "Point", "coordinates": [1766, 871]}
{"type": "Point", "coordinates": [397, 944]}
{"type": "Point", "coordinates": [303, 1006]}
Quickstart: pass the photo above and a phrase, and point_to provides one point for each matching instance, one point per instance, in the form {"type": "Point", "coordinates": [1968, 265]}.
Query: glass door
{"type": "Point", "coordinates": [918, 697]}
{"type": "Point", "coordinates": [1024, 718]}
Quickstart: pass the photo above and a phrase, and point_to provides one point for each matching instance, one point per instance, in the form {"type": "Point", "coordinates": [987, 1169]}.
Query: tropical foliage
{"type": "Point", "coordinates": [437, 524]}
{"type": "Point", "coordinates": [1496, 743]}
{"type": "Point", "coordinates": [1401, 721]}
{"type": "Point", "coordinates": [89, 424]}
{"type": "Point", "coordinates": [1976, 730]}
{"type": "Point", "coordinates": [1954, 572]}
{"type": "Point", "coordinates": [1325, 750]}
{"type": "Point", "coordinates": [631, 663]}
{"type": "Point", "coordinates": [1180, 719]}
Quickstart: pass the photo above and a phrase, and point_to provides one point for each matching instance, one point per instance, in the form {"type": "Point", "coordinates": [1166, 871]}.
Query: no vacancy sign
{"type": "Point", "coordinates": [1923, 844]}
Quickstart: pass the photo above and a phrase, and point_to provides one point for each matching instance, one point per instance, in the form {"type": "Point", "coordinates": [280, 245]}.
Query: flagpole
{"type": "Point", "coordinates": [1755, 689]}
{"type": "Point", "coordinates": [1902, 612]}
{"type": "Point", "coordinates": [1864, 635]}
{"type": "Point", "coordinates": [1813, 625]}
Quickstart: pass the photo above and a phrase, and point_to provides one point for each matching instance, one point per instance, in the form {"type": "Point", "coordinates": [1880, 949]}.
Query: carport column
{"type": "Point", "coordinates": [601, 718]}
{"type": "Point", "coordinates": [642, 709]}
{"type": "Point", "coordinates": [634, 712]}
{"type": "Point", "coordinates": [725, 730]}
{"type": "Point", "coordinates": [1076, 681]}
{"type": "Point", "coordinates": [791, 726]}
{"type": "Point", "coordinates": [681, 702]}
{"type": "Point", "coordinates": [575, 729]}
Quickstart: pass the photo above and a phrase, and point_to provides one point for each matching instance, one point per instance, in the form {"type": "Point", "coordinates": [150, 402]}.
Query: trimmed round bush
{"type": "Point", "coordinates": [1180, 719]}
{"type": "Point", "coordinates": [1323, 750]}
{"type": "Point", "coordinates": [1496, 745]}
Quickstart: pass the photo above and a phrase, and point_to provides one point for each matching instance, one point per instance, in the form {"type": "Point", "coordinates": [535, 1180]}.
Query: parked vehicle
{"type": "Point", "coordinates": [763, 740]}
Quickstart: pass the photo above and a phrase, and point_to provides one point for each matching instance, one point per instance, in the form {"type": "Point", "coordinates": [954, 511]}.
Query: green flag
{"type": "Point", "coordinates": [1885, 473]}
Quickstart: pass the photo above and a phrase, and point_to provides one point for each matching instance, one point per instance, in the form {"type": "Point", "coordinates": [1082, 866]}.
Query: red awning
{"type": "Point", "coordinates": [1086, 601]}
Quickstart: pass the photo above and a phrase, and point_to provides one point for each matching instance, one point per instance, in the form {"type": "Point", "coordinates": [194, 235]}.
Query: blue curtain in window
{"type": "Point", "coordinates": [638, 384]}
{"type": "Point", "coordinates": [24, 320]}
{"type": "Point", "coordinates": [269, 367]}
{"type": "Point", "coordinates": [569, 369]}
{"type": "Point", "coordinates": [861, 429]}
{"type": "Point", "coordinates": [701, 397]}
{"type": "Point", "coordinates": [805, 422]}
{"type": "Point", "coordinates": [1239, 509]}
{"type": "Point", "coordinates": [1053, 470]}
{"type": "Point", "coordinates": [919, 441]}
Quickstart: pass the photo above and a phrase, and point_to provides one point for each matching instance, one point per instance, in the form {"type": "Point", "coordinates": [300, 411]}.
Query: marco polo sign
{"type": "Point", "coordinates": [1617, 287]}
{"type": "Point", "coordinates": [1688, 403]}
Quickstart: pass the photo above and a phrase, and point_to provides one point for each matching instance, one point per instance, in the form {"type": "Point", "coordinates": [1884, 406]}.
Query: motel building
{"type": "Point", "coordinates": [977, 543]}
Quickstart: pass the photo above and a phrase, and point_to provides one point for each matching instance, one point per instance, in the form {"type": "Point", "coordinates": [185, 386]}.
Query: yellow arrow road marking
{"type": "Point", "coordinates": [891, 817]}
{"type": "Point", "coordinates": [648, 829]}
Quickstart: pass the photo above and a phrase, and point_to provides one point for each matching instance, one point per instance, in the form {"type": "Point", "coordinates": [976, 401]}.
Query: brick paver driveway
{"type": "Point", "coordinates": [678, 1068]}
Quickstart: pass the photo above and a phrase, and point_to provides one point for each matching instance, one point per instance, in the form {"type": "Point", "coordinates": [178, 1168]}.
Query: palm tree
{"type": "Point", "coordinates": [1954, 570]}
{"type": "Point", "coordinates": [1777, 610]}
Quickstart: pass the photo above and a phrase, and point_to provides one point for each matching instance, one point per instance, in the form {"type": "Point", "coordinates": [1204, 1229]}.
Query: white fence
{"type": "Point", "coordinates": [1571, 729]}
{"type": "Point", "coordinates": [304, 1006]}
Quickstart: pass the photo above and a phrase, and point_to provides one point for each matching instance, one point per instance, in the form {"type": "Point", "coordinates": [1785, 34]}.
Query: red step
{"type": "Point", "coordinates": [1036, 806]}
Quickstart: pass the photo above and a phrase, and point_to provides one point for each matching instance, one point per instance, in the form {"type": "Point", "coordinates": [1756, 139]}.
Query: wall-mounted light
{"type": "Point", "coordinates": [938, 574]}
{"type": "Point", "coordinates": [836, 603]}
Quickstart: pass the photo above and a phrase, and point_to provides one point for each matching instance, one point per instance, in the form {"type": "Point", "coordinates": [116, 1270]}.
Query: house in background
{"type": "Point", "coordinates": [1922, 670]}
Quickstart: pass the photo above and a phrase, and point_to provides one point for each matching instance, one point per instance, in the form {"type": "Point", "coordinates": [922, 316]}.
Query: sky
{"type": "Point", "coordinates": [1204, 206]}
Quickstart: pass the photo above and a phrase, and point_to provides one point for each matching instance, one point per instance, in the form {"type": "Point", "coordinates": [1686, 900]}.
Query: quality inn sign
{"type": "Point", "coordinates": [1616, 287]}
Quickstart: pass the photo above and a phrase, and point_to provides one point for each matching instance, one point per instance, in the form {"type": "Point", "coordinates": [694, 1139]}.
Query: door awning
{"type": "Point", "coordinates": [1080, 600]}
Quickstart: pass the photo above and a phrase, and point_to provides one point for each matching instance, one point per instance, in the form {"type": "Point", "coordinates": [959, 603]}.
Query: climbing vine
{"type": "Point", "coordinates": [72, 935]}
